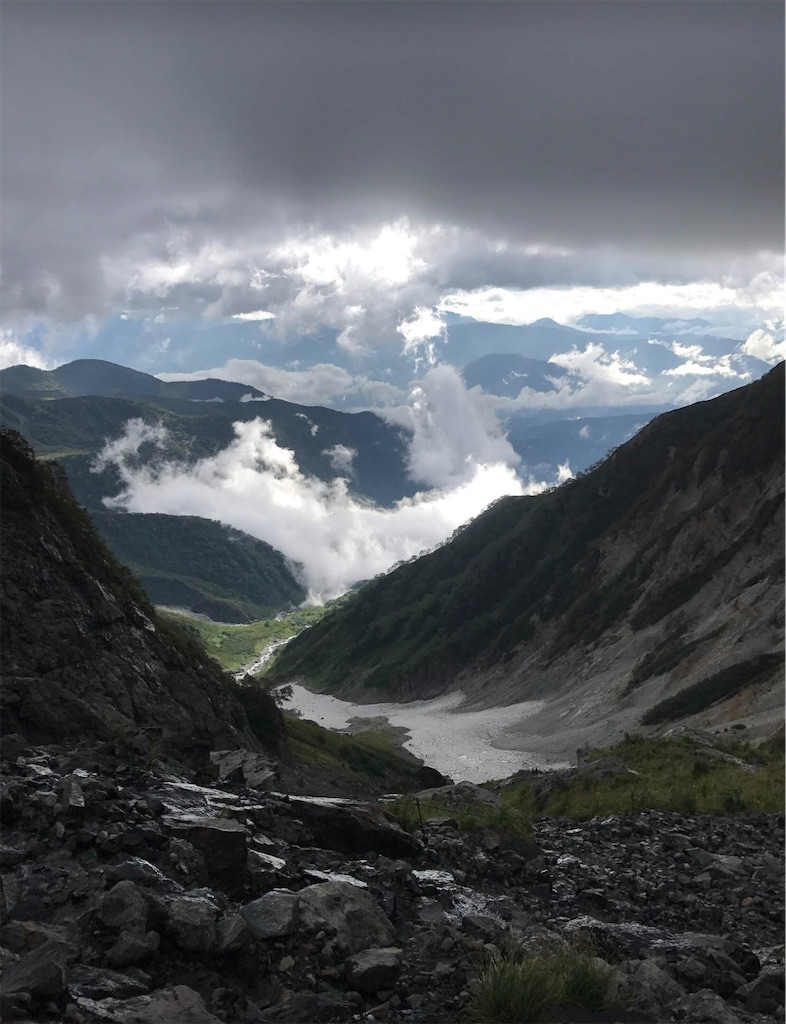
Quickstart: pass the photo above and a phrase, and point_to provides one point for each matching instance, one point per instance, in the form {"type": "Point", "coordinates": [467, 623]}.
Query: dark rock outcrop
{"type": "Point", "coordinates": [112, 915]}
{"type": "Point", "coordinates": [84, 655]}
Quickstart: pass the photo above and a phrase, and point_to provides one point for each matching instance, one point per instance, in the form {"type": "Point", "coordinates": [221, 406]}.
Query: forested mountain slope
{"type": "Point", "coordinates": [200, 564]}
{"type": "Point", "coordinates": [656, 570]}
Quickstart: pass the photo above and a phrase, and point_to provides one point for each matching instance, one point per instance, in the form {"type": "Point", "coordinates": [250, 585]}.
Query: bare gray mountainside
{"type": "Point", "coordinates": [84, 655]}
{"type": "Point", "coordinates": [645, 592]}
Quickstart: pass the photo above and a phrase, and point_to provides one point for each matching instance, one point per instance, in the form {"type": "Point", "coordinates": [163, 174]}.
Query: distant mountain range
{"type": "Point", "coordinates": [98, 377]}
{"type": "Point", "coordinates": [647, 342]}
{"type": "Point", "coordinates": [655, 578]}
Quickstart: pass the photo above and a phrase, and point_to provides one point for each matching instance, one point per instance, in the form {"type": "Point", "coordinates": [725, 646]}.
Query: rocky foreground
{"type": "Point", "coordinates": [137, 895]}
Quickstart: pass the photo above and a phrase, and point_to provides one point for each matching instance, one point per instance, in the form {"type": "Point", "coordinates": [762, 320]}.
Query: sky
{"type": "Point", "coordinates": [332, 200]}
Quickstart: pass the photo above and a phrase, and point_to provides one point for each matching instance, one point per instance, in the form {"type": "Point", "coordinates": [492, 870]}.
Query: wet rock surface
{"type": "Point", "coordinates": [131, 893]}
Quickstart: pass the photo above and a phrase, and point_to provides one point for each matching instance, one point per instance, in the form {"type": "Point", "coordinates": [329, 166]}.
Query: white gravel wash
{"type": "Point", "coordinates": [457, 743]}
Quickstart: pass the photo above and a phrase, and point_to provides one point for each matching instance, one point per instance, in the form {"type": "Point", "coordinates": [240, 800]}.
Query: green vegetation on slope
{"type": "Point", "coordinates": [532, 560]}
{"type": "Point", "coordinates": [234, 646]}
{"type": "Point", "coordinates": [201, 565]}
{"type": "Point", "coordinates": [671, 774]}
{"type": "Point", "coordinates": [365, 755]}
{"type": "Point", "coordinates": [666, 774]}
{"type": "Point", "coordinates": [716, 687]}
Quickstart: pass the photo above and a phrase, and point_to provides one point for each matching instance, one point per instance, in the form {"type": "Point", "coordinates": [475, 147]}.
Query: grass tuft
{"type": "Point", "coordinates": [517, 988]}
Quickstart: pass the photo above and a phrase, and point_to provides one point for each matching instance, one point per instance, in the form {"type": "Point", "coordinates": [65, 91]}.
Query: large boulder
{"type": "Point", "coordinates": [272, 915]}
{"type": "Point", "coordinates": [244, 768]}
{"type": "Point", "coordinates": [223, 843]}
{"type": "Point", "coordinates": [357, 830]}
{"type": "Point", "coordinates": [372, 970]}
{"type": "Point", "coordinates": [192, 922]}
{"type": "Point", "coordinates": [41, 973]}
{"type": "Point", "coordinates": [347, 913]}
{"type": "Point", "coordinates": [124, 908]}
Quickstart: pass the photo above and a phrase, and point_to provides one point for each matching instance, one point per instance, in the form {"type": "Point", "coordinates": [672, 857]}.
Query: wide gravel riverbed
{"type": "Point", "coordinates": [457, 743]}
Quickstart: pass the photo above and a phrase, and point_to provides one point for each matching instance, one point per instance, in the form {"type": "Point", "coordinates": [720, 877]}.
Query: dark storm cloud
{"type": "Point", "coordinates": [649, 127]}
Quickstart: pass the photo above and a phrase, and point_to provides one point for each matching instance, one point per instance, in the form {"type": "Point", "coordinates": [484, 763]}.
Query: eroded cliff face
{"type": "Point", "coordinates": [83, 655]}
{"type": "Point", "coordinates": [704, 563]}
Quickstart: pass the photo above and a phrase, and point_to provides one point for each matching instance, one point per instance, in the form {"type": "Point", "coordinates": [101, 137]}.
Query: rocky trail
{"type": "Point", "coordinates": [135, 894]}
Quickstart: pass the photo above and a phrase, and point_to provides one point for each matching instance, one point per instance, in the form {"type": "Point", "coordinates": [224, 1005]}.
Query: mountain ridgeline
{"type": "Point", "coordinates": [658, 568]}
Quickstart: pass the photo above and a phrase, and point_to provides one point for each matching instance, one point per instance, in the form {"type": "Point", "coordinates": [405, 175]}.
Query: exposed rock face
{"type": "Point", "coordinates": [83, 654]}
{"type": "Point", "coordinates": [109, 915]}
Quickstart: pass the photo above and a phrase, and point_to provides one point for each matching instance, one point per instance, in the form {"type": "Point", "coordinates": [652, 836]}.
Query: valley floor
{"type": "Point", "coordinates": [461, 744]}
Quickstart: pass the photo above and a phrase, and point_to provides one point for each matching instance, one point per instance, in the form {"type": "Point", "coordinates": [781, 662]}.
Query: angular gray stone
{"type": "Point", "coordinates": [373, 969]}
{"type": "Point", "coordinates": [177, 1005]}
{"type": "Point", "coordinates": [101, 983]}
{"type": "Point", "coordinates": [267, 871]}
{"type": "Point", "coordinates": [72, 799]}
{"type": "Point", "coordinates": [357, 830]}
{"type": "Point", "coordinates": [137, 870]}
{"type": "Point", "coordinates": [765, 994]}
{"type": "Point", "coordinates": [351, 913]}
{"type": "Point", "coordinates": [124, 908]}
{"type": "Point", "coordinates": [231, 933]}
{"type": "Point", "coordinates": [643, 985]}
{"type": "Point", "coordinates": [222, 841]}
{"type": "Point", "coordinates": [705, 1006]}
{"type": "Point", "coordinates": [131, 947]}
{"type": "Point", "coordinates": [42, 973]}
{"type": "Point", "coordinates": [272, 915]}
{"type": "Point", "coordinates": [193, 924]}
{"type": "Point", "coordinates": [244, 767]}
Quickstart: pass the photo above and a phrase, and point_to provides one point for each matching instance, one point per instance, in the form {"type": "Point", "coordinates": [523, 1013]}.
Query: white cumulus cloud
{"type": "Point", "coordinates": [764, 344]}
{"type": "Point", "coordinates": [595, 363]}
{"type": "Point", "coordinates": [14, 352]}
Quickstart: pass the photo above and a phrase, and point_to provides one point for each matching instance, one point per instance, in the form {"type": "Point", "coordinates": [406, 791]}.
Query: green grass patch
{"type": "Point", "coordinates": [519, 988]}
{"type": "Point", "coordinates": [360, 755]}
{"type": "Point", "coordinates": [716, 687]}
{"type": "Point", "coordinates": [666, 774]}
{"type": "Point", "coordinates": [410, 813]}
{"type": "Point", "coordinates": [236, 645]}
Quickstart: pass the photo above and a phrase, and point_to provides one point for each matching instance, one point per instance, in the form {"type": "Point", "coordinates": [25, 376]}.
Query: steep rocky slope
{"type": "Point", "coordinates": [84, 655]}
{"type": "Point", "coordinates": [142, 899]}
{"type": "Point", "coordinates": [646, 577]}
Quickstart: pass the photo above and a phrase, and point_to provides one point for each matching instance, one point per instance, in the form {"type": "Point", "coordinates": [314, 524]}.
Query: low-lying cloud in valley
{"type": "Point", "coordinates": [257, 486]}
{"type": "Point", "coordinates": [456, 451]}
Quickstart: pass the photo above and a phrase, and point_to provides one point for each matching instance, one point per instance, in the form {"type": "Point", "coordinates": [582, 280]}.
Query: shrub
{"type": "Point", "coordinates": [720, 686]}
